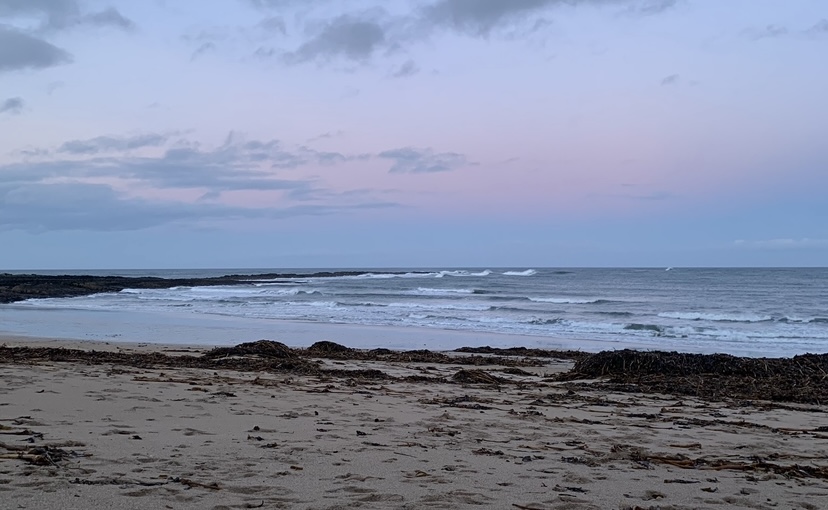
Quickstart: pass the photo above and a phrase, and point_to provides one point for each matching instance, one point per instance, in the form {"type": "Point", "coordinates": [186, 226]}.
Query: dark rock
{"type": "Point", "coordinates": [17, 287]}
{"type": "Point", "coordinates": [326, 347]}
{"type": "Point", "coordinates": [476, 377]}
{"type": "Point", "coordinates": [262, 348]}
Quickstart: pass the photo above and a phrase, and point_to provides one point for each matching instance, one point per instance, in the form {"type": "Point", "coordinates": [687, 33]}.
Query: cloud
{"type": "Point", "coordinates": [774, 31]}
{"type": "Point", "coordinates": [22, 51]}
{"type": "Point", "coordinates": [673, 79]}
{"type": "Point", "coordinates": [63, 14]}
{"type": "Point", "coordinates": [409, 160]}
{"type": "Point", "coordinates": [52, 11]}
{"type": "Point", "coordinates": [71, 206]}
{"type": "Point", "coordinates": [273, 24]}
{"type": "Point", "coordinates": [109, 17]}
{"type": "Point", "coordinates": [76, 185]}
{"type": "Point", "coordinates": [408, 68]}
{"type": "Point", "coordinates": [112, 144]}
{"type": "Point", "coordinates": [652, 7]}
{"type": "Point", "coordinates": [821, 27]}
{"type": "Point", "coordinates": [766, 32]}
{"type": "Point", "coordinates": [12, 106]}
{"type": "Point", "coordinates": [236, 165]}
{"type": "Point", "coordinates": [82, 206]}
{"type": "Point", "coordinates": [201, 50]}
{"type": "Point", "coordinates": [345, 36]}
{"type": "Point", "coordinates": [482, 17]}
{"type": "Point", "coordinates": [361, 36]}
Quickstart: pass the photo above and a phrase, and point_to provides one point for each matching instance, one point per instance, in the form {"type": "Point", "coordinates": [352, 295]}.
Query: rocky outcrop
{"type": "Point", "coordinates": [17, 287]}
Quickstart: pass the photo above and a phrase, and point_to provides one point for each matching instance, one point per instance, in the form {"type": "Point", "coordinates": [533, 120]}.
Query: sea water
{"type": "Point", "coordinates": [756, 312]}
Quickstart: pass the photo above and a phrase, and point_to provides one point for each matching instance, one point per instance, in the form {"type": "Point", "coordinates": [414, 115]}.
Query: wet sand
{"type": "Point", "coordinates": [338, 432]}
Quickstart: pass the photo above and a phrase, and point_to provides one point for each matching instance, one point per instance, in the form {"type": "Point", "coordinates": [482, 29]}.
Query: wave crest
{"type": "Point", "coordinates": [528, 272]}
{"type": "Point", "coordinates": [715, 317]}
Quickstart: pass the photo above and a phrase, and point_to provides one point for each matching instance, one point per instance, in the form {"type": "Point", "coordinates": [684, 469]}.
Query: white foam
{"type": "Point", "coordinates": [715, 317]}
{"type": "Point", "coordinates": [430, 291]}
{"type": "Point", "coordinates": [440, 306]}
{"type": "Point", "coordinates": [528, 272]}
{"type": "Point", "coordinates": [320, 304]}
{"type": "Point", "coordinates": [564, 301]}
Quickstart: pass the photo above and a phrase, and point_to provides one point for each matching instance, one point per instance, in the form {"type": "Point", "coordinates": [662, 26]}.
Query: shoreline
{"type": "Point", "coordinates": [262, 425]}
{"type": "Point", "coordinates": [546, 311]}
{"type": "Point", "coordinates": [217, 330]}
{"type": "Point", "coordinates": [797, 379]}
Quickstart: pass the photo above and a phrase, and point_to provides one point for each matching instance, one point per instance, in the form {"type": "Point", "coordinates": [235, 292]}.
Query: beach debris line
{"type": "Point", "coordinates": [802, 379]}
{"type": "Point", "coordinates": [526, 352]}
{"type": "Point", "coordinates": [477, 377]}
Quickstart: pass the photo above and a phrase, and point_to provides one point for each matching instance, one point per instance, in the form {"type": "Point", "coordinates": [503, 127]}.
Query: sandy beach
{"type": "Point", "coordinates": [125, 432]}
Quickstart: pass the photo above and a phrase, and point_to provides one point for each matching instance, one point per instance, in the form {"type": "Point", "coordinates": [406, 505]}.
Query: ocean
{"type": "Point", "coordinates": [753, 312]}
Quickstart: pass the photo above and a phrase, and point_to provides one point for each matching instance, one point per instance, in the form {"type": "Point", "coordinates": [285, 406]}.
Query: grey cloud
{"type": "Point", "coordinates": [327, 135]}
{"type": "Point", "coordinates": [359, 36]}
{"type": "Point", "coordinates": [408, 68]}
{"type": "Point", "coordinates": [821, 27]}
{"type": "Point", "coordinates": [53, 11]}
{"type": "Point", "coordinates": [345, 36]}
{"type": "Point", "coordinates": [220, 170]}
{"type": "Point", "coordinates": [766, 32]}
{"type": "Point", "coordinates": [411, 160]}
{"type": "Point", "coordinates": [652, 7]}
{"type": "Point", "coordinates": [673, 79]}
{"type": "Point", "coordinates": [22, 51]}
{"type": "Point", "coordinates": [274, 24]}
{"type": "Point", "coordinates": [63, 14]}
{"type": "Point", "coordinates": [479, 17]}
{"type": "Point", "coordinates": [112, 144]}
{"type": "Point", "coordinates": [175, 169]}
{"type": "Point", "coordinates": [236, 165]}
{"type": "Point", "coordinates": [31, 199]}
{"type": "Point", "coordinates": [12, 106]}
{"type": "Point", "coordinates": [280, 4]}
{"type": "Point", "coordinates": [269, 4]}
{"type": "Point", "coordinates": [201, 50]}
{"type": "Point", "coordinates": [82, 206]}
{"type": "Point", "coordinates": [74, 206]}
{"type": "Point", "coordinates": [108, 17]}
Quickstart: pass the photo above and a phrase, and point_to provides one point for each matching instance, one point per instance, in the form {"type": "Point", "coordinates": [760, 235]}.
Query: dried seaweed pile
{"type": "Point", "coordinates": [261, 348]}
{"type": "Point", "coordinates": [802, 378]}
{"type": "Point", "coordinates": [524, 351]}
{"type": "Point", "coordinates": [332, 350]}
{"type": "Point", "coordinates": [263, 355]}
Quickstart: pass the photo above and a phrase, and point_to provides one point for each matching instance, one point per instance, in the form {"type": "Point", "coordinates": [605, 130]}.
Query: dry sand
{"type": "Point", "coordinates": [194, 438]}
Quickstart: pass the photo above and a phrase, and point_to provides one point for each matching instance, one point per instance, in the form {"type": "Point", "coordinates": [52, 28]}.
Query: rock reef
{"type": "Point", "coordinates": [18, 287]}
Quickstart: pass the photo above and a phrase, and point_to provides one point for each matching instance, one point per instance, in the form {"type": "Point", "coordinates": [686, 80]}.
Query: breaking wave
{"type": "Point", "coordinates": [528, 272]}
{"type": "Point", "coordinates": [715, 317]}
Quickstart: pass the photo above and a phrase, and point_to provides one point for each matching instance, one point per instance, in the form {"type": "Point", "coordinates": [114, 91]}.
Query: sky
{"type": "Point", "coordinates": [402, 133]}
